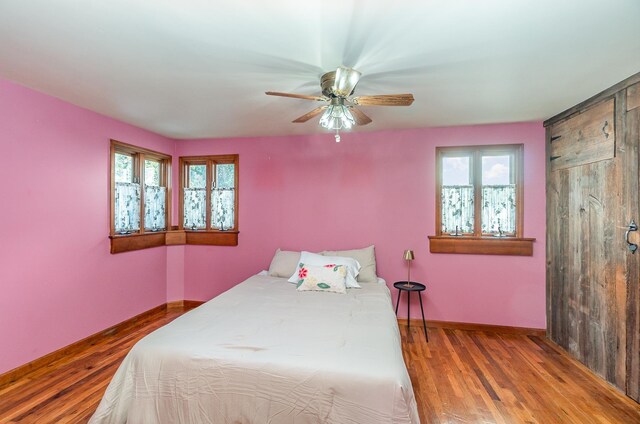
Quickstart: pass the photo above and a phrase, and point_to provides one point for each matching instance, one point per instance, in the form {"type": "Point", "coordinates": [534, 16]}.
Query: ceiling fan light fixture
{"type": "Point", "coordinates": [337, 117]}
{"type": "Point", "coordinates": [345, 81]}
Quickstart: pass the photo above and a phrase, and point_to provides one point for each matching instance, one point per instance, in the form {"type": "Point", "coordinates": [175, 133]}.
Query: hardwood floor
{"type": "Point", "coordinates": [459, 377]}
{"type": "Point", "coordinates": [481, 377]}
{"type": "Point", "coordinates": [69, 390]}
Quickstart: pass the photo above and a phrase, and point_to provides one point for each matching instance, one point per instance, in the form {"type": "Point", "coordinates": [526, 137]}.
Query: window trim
{"type": "Point", "coordinates": [478, 242]}
{"type": "Point", "coordinates": [172, 235]}
{"type": "Point", "coordinates": [208, 235]}
{"type": "Point", "coordinates": [142, 238]}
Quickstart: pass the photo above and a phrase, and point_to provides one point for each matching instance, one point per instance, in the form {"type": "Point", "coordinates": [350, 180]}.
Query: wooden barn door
{"type": "Point", "coordinates": [632, 140]}
{"type": "Point", "coordinates": [592, 195]}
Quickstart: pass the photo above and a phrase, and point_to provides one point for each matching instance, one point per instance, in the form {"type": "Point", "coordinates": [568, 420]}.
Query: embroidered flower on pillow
{"type": "Point", "coordinates": [329, 278]}
{"type": "Point", "coordinates": [302, 272]}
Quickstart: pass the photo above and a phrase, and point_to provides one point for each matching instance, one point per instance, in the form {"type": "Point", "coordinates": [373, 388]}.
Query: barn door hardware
{"type": "Point", "coordinates": [632, 227]}
{"type": "Point", "coordinates": [604, 129]}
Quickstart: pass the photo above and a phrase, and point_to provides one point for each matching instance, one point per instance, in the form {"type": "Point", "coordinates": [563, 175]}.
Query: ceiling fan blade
{"type": "Point", "coordinates": [315, 112]}
{"type": "Point", "coordinates": [360, 117]}
{"type": "Point", "coordinates": [345, 82]}
{"type": "Point", "coordinates": [384, 100]}
{"type": "Point", "coordinates": [295, 96]}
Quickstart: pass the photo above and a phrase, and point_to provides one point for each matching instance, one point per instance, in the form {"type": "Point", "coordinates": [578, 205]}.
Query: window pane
{"type": "Point", "coordinates": [155, 199]}
{"type": "Point", "coordinates": [223, 208]}
{"type": "Point", "coordinates": [499, 209]}
{"type": "Point", "coordinates": [195, 208]}
{"type": "Point", "coordinates": [152, 173]}
{"type": "Point", "coordinates": [456, 171]}
{"type": "Point", "coordinates": [498, 195]}
{"type": "Point", "coordinates": [496, 170]}
{"type": "Point", "coordinates": [195, 198]}
{"type": "Point", "coordinates": [197, 176]}
{"type": "Point", "coordinates": [225, 175]}
{"type": "Point", "coordinates": [457, 195]}
{"type": "Point", "coordinates": [223, 197]}
{"type": "Point", "coordinates": [127, 207]}
{"type": "Point", "coordinates": [124, 168]}
{"type": "Point", "coordinates": [457, 209]}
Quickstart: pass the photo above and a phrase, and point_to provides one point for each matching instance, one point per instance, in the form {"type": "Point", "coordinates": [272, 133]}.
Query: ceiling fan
{"type": "Point", "coordinates": [340, 112]}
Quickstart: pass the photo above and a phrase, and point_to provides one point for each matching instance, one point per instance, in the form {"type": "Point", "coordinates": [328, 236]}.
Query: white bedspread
{"type": "Point", "coordinates": [265, 353]}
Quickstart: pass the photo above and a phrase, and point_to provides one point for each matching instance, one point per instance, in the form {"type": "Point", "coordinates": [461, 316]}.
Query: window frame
{"type": "Point", "coordinates": [142, 238]}
{"type": "Point", "coordinates": [209, 235]}
{"type": "Point", "coordinates": [479, 242]}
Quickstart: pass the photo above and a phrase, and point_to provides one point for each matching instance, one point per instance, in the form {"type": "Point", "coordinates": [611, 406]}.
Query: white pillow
{"type": "Point", "coordinates": [326, 278]}
{"type": "Point", "coordinates": [284, 263]}
{"type": "Point", "coordinates": [308, 258]}
{"type": "Point", "coordinates": [365, 257]}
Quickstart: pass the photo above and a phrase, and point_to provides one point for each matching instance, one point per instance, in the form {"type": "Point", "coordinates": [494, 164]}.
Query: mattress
{"type": "Point", "coordinates": [262, 352]}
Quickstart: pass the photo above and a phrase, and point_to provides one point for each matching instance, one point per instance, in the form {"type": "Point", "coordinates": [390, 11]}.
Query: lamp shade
{"type": "Point", "coordinates": [408, 255]}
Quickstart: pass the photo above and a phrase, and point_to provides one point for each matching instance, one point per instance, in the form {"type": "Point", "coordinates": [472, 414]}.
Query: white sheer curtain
{"type": "Point", "coordinates": [457, 209]}
{"type": "Point", "coordinates": [127, 207]}
{"type": "Point", "coordinates": [155, 199]}
{"type": "Point", "coordinates": [499, 208]}
{"type": "Point", "coordinates": [223, 208]}
{"type": "Point", "coordinates": [195, 208]}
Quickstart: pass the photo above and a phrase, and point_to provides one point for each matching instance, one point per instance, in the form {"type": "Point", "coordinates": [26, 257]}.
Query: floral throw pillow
{"type": "Point", "coordinates": [329, 278]}
{"type": "Point", "coordinates": [309, 258]}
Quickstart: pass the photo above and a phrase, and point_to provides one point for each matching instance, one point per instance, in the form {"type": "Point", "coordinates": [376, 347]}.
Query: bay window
{"type": "Point", "coordinates": [140, 202]}
{"type": "Point", "coordinates": [209, 199]}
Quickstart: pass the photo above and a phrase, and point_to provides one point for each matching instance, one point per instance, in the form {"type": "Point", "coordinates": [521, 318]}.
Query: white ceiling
{"type": "Point", "coordinates": [197, 68]}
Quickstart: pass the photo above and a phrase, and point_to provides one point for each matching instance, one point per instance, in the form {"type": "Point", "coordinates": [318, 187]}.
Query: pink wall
{"type": "Point", "coordinates": [175, 273]}
{"type": "Point", "coordinates": [58, 282]}
{"type": "Point", "coordinates": [308, 192]}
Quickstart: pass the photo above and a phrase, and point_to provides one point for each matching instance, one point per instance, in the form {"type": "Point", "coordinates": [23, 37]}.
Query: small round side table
{"type": "Point", "coordinates": [415, 287]}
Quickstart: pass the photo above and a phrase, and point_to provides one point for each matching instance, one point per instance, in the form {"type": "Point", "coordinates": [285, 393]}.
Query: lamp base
{"type": "Point", "coordinates": [408, 285]}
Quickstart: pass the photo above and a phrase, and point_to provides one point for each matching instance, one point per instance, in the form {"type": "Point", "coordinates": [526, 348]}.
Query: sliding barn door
{"type": "Point", "coordinates": [592, 195]}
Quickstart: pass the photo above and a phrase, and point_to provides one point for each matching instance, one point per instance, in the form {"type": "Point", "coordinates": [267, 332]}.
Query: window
{"type": "Point", "coordinates": [209, 198]}
{"type": "Point", "coordinates": [138, 209]}
{"type": "Point", "coordinates": [479, 196]}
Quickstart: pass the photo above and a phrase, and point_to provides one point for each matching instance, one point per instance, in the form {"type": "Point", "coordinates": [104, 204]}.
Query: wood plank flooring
{"type": "Point", "coordinates": [459, 377]}
{"type": "Point", "coordinates": [465, 377]}
{"type": "Point", "coordinates": [69, 390]}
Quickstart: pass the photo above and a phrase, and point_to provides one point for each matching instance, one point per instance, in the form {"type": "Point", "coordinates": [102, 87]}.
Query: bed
{"type": "Point", "coordinates": [263, 352]}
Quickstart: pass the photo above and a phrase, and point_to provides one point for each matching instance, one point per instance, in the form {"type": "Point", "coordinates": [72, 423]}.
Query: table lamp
{"type": "Point", "coordinates": [408, 256]}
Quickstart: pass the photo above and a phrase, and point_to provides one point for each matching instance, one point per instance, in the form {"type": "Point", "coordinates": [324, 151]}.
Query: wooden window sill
{"type": "Point", "coordinates": [212, 238]}
{"type": "Point", "coordinates": [129, 242]}
{"type": "Point", "coordinates": [482, 245]}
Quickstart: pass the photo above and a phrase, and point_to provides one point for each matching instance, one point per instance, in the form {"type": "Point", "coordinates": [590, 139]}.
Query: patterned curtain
{"type": "Point", "coordinates": [195, 208]}
{"type": "Point", "coordinates": [223, 208]}
{"type": "Point", "coordinates": [499, 208]}
{"type": "Point", "coordinates": [457, 209]}
{"type": "Point", "coordinates": [155, 199]}
{"type": "Point", "coordinates": [127, 207]}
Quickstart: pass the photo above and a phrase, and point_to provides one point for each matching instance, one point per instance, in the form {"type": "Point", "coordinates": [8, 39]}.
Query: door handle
{"type": "Point", "coordinates": [632, 227]}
